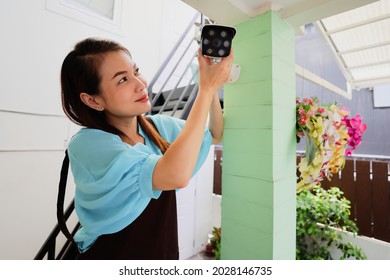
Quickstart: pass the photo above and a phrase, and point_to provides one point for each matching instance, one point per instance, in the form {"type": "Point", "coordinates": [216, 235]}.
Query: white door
{"type": "Point", "coordinates": [186, 219]}
{"type": "Point", "coordinates": [194, 206]}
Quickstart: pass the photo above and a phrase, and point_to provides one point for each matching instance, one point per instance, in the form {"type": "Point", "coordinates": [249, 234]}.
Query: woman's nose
{"type": "Point", "coordinates": [141, 83]}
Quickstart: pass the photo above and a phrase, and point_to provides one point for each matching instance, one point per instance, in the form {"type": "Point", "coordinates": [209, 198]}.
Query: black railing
{"type": "Point", "coordinates": [48, 249]}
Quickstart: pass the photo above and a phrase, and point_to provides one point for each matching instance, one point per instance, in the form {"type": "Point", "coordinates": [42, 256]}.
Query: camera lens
{"type": "Point", "coordinates": [221, 52]}
{"type": "Point", "coordinates": [216, 43]}
{"type": "Point", "coordinates": [211, 32]}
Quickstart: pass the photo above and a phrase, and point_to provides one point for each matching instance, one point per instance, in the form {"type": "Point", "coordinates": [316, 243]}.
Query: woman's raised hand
{"type": "Point", "coordinates": [213, 76]}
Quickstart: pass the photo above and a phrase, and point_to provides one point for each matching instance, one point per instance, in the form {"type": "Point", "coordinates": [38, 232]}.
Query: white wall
{"type": "Point", "coordinates": [194, 206]}
{"type": "Point", "coordinates": [33, 129]}
{"type": "Point", "coordinates": [373, 248]}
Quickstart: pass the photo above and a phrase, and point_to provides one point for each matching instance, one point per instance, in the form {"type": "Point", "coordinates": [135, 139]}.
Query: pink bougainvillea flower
{"type": "Point", "coordinates": [356, 122]}
{"type": "Point", "coordinates": [355, 131]}
{"type": "Point", "coordinates": [348, 152]}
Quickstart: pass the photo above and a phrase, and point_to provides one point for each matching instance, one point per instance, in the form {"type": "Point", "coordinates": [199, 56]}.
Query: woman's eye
{"type": "Point", "coordinates": [136, 72]}
{"type": "Point", "coordinates": [124, 79]}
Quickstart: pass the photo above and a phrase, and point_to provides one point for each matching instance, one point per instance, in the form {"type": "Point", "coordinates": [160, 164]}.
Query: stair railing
{"type": "Point", "coordinates": [168, 98]}
{"type": "Point", "coordinates": [155, 98]}
{"type": "Point", "coordinates": [170, 55]}
{"type": "Point", "coordinates": [48, 248]}
{"type": "Point", "coordinates": [169, 94]}
{"type": "Point", "coordinates": [184, 93]}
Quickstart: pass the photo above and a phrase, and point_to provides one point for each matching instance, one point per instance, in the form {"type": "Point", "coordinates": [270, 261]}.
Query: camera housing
{"type": "Point", "coordinates": [216, 40]}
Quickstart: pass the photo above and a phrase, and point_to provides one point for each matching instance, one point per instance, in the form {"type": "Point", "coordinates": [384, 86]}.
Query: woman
{"type": "Point", "coordinates": [127, 166]}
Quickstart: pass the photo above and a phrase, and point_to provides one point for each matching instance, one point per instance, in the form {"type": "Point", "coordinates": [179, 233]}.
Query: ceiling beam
{"type": "Point", "coordinates": [358, 24]}
{"type": "Point", "coordinates": [310, 11]}
{"type": "Point", "coordinates": [378, 63]}
{"type": "Point", "coordinates": [371, 82]}
{"type": "Point", "coordinates": [339, 60]}
{"type": "Point", "coordinates": [310, 76]}
{"type": "Point", "coordinates": [365, 47]}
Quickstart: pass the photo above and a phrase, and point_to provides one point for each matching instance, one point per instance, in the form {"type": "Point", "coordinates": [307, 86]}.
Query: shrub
{"type": "Point", "coordinates": [318, 212]}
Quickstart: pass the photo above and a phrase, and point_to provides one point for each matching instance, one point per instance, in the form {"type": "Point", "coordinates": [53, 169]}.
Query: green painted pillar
{"type": "Point", "coordinates": [259, 151]}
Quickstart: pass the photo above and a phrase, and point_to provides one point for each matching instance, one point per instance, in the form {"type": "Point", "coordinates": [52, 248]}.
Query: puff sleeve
{"type": "Point", "coordinates": [114, 182]}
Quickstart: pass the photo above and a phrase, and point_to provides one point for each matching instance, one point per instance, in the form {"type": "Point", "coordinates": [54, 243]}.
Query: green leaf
{"type": "Point", "coordinates": [311, 148]}
{"type": "Point", "coordinates": [329, 208]}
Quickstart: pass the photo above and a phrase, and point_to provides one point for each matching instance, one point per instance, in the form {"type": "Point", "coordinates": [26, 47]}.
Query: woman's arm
{"type": "Point", "coordinates": [175, 168]}
{"type": "Point", "coordinates": [216, 120]}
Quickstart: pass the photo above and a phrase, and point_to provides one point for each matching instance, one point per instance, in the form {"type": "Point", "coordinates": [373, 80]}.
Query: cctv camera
{"type": "Point", "coordinates": [216, 40]}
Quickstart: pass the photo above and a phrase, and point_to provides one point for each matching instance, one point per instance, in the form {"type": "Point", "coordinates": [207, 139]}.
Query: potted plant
{"type": "Point", "coordinates": [213, 248]}
{"type": "Point", "coordinates": [319, 214]}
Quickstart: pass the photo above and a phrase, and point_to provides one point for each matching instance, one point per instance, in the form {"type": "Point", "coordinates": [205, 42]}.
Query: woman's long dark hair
{"type": "Point", "coordinates": [80, 73]}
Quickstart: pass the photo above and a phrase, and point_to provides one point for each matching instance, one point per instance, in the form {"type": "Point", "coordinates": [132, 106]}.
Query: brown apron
{"type": "Point", "coordinates": [152, 236]}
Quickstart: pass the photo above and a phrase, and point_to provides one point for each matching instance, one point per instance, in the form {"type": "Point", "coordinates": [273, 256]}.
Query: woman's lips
{"type": "Point", "coordinates": [144, 98]}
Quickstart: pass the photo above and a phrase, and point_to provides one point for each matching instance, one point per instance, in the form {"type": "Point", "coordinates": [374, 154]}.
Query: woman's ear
{"type": "Point", "coordinates": [92, 101]}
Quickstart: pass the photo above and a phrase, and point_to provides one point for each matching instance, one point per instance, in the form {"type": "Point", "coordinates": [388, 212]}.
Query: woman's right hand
{"type": "Point", "coordinates": [213, 76]}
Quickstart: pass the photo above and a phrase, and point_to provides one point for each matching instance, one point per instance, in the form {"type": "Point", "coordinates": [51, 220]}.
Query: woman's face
{"type": "Point", "coordinates": [123, 89]}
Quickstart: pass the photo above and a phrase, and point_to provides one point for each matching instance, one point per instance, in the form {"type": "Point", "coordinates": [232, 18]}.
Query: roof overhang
{"type": "Point", "coordinates": [360, 40]}
{"type": "Point", "coordinates": [295, 12]}
{"type": "Point", "coordinates": [358, 32]}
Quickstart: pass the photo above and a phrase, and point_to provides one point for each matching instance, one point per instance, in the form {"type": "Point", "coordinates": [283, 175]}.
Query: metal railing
{"type": "Point", "coordinates": [48, 248]}
{"type": "Point", "coordinates": [179, 97]}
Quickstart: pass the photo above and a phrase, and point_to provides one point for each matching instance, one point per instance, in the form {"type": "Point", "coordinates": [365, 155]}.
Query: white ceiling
{"type": "Point", "coordinates": [360, 40]}
{"type": "Point", "coordinates": [358, 31]}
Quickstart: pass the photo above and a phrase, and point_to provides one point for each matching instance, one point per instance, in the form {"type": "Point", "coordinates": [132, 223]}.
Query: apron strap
{"type": "Point", "coordinates": [61, 198]}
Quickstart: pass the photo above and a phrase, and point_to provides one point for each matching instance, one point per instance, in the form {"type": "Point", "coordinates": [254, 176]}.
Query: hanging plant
{"type": "Point", "coordinates": [330, 135]}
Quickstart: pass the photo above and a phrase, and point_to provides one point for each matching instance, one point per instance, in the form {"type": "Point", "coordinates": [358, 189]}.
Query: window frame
{"type": "Point", "coordinates": [78, 12]}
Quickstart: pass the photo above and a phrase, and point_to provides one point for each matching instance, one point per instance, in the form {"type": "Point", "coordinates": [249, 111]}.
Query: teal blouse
{"type": "Point", "coordinates": [114, 180]}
